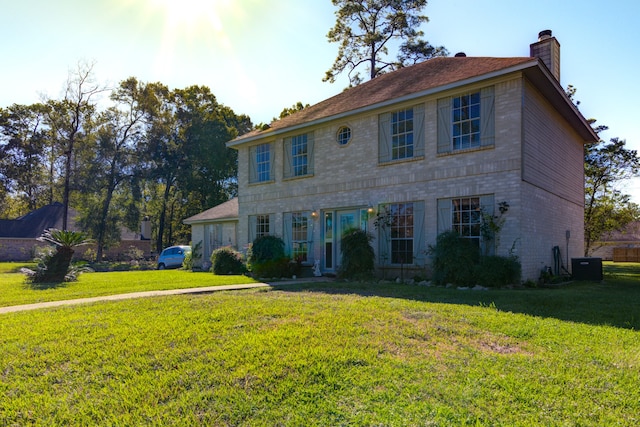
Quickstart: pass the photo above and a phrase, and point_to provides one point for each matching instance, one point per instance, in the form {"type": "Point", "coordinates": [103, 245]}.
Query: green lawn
{"type": "Point", "coordinates": [332, 354]}
{"type": "Point", "coordinates": [14, 290]}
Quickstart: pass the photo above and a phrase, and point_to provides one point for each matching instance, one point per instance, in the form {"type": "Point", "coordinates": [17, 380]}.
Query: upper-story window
{"type": "Point", "coordinates": [401, 134]}
{"type": "Point", "coordinates": [261, 163]}
{"type": "Point", "coordinates": [344, 135]}
{"type": "Point", "coordinates": [466, 121]}
{"type": "Point", "coordinates": [298, 151]}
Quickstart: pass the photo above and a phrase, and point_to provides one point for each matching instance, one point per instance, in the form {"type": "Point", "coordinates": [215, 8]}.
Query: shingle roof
{"type": "Point", "coordinates": [434, 74]}
{"type": "Point", "coordinates": [224, 211]}
{"type": "Point", "coordinates": [32, 225]}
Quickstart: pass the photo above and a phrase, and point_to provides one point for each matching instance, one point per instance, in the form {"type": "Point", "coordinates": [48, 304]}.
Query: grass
{"type": "Point", "coordinates": [332, 354]}
{"type": "Point", "coordinates": [15, 291]}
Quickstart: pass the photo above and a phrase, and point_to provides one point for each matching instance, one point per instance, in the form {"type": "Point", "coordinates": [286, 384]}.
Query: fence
{"type": "Point", "coordinates": [626, 254]}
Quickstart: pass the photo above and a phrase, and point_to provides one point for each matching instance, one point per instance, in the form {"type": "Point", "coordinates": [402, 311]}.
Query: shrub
{"type": "Point", "coordinates": [496, 271]}
{"type": "Point", "coordinates": [357, 254]}
{"type": "Point", "coordinates": [454, 259]}
{"type": "Point", "coordinates": [266, 257]}
{"type": "Point", "coordinates": [266, 248]}
{"type": "Point", "coordinates": [227, 261]}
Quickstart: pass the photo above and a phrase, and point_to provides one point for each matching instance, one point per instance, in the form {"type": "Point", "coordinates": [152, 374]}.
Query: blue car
{"type": "Point", "coordinates": [172, 257]}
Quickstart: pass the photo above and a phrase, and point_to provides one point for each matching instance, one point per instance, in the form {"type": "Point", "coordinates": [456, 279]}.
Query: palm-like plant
{"type": "Point", "coordinates": [55, 266]}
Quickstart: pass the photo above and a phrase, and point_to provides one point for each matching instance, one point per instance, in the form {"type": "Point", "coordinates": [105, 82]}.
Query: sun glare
{"type": "Point", "coordinates": [192, 16]}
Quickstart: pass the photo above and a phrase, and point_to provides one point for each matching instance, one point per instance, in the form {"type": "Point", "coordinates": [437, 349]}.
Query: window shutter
{"type": "Point", "coordinates": [310, 148]}
{"type": "Point", "coordinates": [418, 130]}
{"type": "Point", "coordinates": [384, 244]}
{"type": "Point", "coordinates": [444, 215]}
{"type": "Point", "coordinates": [444, 125]}
{"type": "Point", "coordinates": [253, 223]}
{"type": "Point", "coordinates": [288, 169]}
{"type": "Point", "coordinates": [271, 223]}
{"type": "Point", "coordinates": [487, 206]}
{"type": "Point", "coordinates": [286, 232]}
{"type": "Point", "coordinates": [272, 161]}
{"type": "Point", "coordinates": [384, 135]}
{"type": "Point", "coordinates": [418, 231]}
{"type": "Point", "coordinates": [253, 166]}
{"type": "Point", "coordinates": [310, 257]}
{"type": "Point", "coordinates": [487, 117]}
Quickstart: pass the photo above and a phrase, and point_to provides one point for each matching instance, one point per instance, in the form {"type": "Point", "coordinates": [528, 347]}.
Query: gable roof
{"type": "Point", "coordinates": [630, 233]}
{"type": "Point", "coordinates": [225, 211]}
{"type": "Point", "coordinates": [32, 225]}
{"type": "Point", "coordinates": [432, 76]}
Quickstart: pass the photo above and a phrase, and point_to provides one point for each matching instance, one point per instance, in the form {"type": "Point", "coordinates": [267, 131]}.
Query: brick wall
{"type": "Point", "coordinates": [24, 249]}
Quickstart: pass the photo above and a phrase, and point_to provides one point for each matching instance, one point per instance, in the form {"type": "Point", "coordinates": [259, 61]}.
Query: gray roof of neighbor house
{"type": "Point", "coordinates": [630, 233]}
{"type": "Point", "coordinates": [32, 225]}
{"type": "Point", "coordinates": [225, 211]}
{"type": "Point", "coordinates": [423, 79]}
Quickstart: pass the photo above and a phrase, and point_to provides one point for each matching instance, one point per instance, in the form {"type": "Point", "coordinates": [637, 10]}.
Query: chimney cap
{"type": "Point", "coordinates": [544, 34]}
{"type": "Point", "coordinates": [460, 55]}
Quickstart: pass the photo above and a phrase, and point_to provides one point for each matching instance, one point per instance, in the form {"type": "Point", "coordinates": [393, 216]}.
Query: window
{"type": "Point", "coordinates": [298, 236]}
{"type": "Point", "coordinates": [466, 121]}
{"type": "Point", "coordinates": [262, 225]}
{"type": "Point", "coordinates": [401, 233]}
{"type": "Point", "coordinates": [401, 238]}
{"type": "Point", "coordinates": [299, 243]}
{"type": "Point", "coordinates": [344, 135]}
{"type": "Point", "coordinates": [261, 163]}
{"type": "Point", "coordinates": [466, 217]}
{"type": "Point", "coordinates": [401, 134]}
{"type": "Point", "coordinates": [259, 225]}
{"type": "Point", "coordinates": [298, 155]}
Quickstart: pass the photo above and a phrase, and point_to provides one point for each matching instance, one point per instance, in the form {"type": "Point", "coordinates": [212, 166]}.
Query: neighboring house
{"type": "Point", "coordinates": [620, 246]}
{"type": "Point", "coordinates": [212, 229]}
{"type": "Point", "coordinates": [433, 145]}
{"type": "Point", "coordinates": [18, 237]}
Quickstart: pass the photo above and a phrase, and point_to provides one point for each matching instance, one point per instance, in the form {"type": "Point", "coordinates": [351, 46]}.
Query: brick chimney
{"type": "Point", "coordinates": [547, 49]}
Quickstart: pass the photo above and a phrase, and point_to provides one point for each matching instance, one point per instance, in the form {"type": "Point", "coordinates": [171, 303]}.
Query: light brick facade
{"type": "Point", "coordinates": [534, 164]}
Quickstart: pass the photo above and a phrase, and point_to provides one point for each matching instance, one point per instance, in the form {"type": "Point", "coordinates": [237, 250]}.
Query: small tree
{"type": "Point", "coordinates": [266, 257]}
{"type": "Point", "coordinates": [357, 254]}
{"type": "Point", "coordinates": [56, 267]}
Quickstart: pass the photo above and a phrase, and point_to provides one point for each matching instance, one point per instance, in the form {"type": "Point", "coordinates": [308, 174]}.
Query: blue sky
{"type": "Point", "coordinates": [259, 56]}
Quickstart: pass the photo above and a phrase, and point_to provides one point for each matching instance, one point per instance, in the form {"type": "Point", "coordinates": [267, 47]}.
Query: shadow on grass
{"type": "Point", "coordinates": [44, 286]}
{"type": "Point", "coordinates": [613, 302]}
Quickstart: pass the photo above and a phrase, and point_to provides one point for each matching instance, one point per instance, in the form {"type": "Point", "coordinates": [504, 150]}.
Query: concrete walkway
{"type": "Point", "coordinates": [118, 297]}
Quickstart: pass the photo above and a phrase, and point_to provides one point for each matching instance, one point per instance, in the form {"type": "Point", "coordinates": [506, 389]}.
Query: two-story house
{"type": "Point", "coordinates": [432, 146]}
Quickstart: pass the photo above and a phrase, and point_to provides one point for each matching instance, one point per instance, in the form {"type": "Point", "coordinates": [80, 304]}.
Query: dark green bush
{"type": "Point", "coordinates": [497, 271]}
{"type": "Point", "coordinates": [454, 260]}
{"type": "Point", "coordinates": [266, 257]}
{"type": "Point", "coordinates": [227, 261]}
{"type": "Point", "coordinates": [358, 256]}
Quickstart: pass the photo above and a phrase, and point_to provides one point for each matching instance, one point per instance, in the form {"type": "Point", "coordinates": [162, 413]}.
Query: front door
{"type": "Point", "coordinates": [333, 231]}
